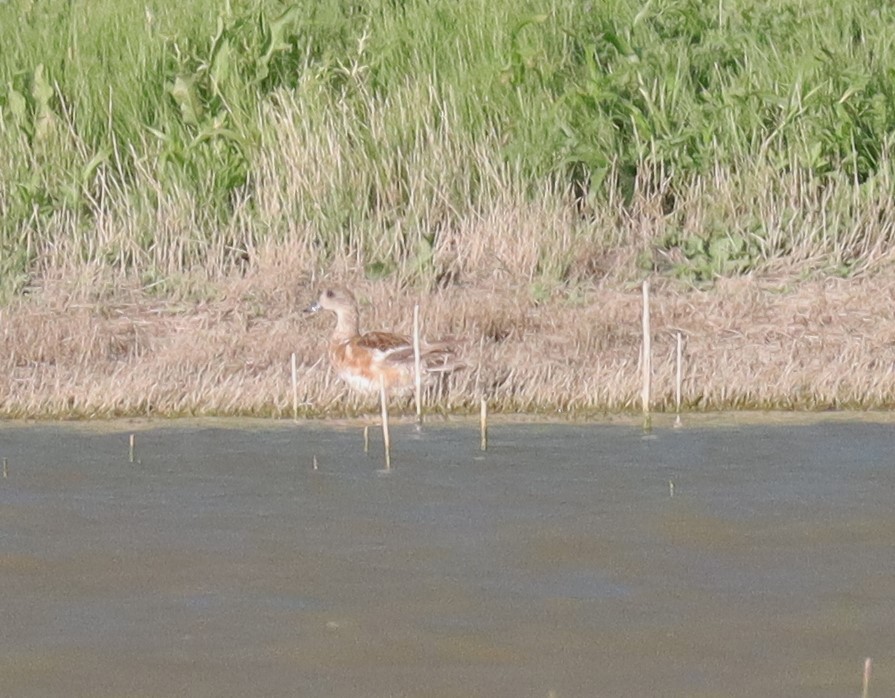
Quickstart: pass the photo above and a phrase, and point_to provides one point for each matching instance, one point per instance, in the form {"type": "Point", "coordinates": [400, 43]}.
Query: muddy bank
{"type": "Point", "coordinates": [225, 348]}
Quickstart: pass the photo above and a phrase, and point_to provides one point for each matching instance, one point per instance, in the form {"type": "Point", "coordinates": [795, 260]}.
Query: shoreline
{"type": "Point", "coordinates": [659, 422]}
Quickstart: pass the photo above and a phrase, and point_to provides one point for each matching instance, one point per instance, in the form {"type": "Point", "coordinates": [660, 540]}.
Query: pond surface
{"type": "Point", "coordinates": [568, 560]}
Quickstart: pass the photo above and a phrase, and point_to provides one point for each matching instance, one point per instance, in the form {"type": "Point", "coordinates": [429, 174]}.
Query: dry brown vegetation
{"type": "Point", "coordinates": [86, 345]}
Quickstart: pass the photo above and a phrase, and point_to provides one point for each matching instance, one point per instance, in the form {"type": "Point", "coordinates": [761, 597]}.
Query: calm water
{"type": "Point", "coordinates": [557, 563]}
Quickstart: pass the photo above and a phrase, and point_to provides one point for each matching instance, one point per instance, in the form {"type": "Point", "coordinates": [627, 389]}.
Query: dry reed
{"type": "Point", "coordinates": [386, 438]}
{"type": "Point", "coordinates": [417, 369]}
{"type": "Point", "coordinates": [646, 353]}
{"type": "Point", "coordinates": [483, 425]}
{"type": "Point", "coordinates": [678, 376]}
{"type": "Point", "coordinates": [294, 387]}
{"type": "Point", "coordinates": [865, 682]}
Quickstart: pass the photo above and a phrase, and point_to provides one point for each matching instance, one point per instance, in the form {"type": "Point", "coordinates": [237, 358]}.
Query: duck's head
{"type": "Point", "coordinates": [334, 299]}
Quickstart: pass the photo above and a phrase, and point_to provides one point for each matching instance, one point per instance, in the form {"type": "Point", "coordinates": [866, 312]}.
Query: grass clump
{"type": "Point", "coordinates": [178, 135]}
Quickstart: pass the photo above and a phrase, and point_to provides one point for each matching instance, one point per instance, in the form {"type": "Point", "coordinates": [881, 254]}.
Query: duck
{"type": "Point", "coordinates": [373, 359]}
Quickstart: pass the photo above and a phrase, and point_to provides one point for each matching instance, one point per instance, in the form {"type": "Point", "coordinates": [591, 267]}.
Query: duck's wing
{"type": "Point", "coordinates": [436, 357]}
{"type": "Point", "coordinates": [389, 346]}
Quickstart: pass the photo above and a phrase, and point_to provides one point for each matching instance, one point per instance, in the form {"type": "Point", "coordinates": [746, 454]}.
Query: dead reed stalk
{"type": "Point", "coordinates": [386, 439]}
{"type": "Point", "coordinates": [678, 374]}
{"type": "Point", "coordinates": [646, 355]}
{"type": "Point", "coordinates": [417, 369]}
{"type": "Point", "coordinates": [294, 389]}
{"type": "Point", "coordinates": [483, 424]}
{"type": "Point", "coordinates": [865, 686]}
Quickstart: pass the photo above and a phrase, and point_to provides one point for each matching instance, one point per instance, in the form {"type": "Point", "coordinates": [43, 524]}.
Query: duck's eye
{"type": "Point", "coordinates": [330, 293]}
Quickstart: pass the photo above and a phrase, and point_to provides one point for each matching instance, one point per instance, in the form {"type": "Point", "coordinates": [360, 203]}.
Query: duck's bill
{"type": "Point", "coordinates": [313, 308]}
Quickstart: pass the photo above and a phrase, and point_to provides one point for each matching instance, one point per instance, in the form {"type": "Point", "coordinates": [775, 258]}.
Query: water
{"type": "Point", "coordinates": [557, 563]}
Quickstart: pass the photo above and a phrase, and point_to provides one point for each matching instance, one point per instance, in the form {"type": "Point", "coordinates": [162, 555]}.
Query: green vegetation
{"type": "Point", "coordinates": [158, 138]}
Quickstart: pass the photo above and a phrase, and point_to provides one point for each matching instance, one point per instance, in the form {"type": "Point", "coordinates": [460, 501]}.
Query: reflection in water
{"type": "Point", "coordinates": [220, 563]}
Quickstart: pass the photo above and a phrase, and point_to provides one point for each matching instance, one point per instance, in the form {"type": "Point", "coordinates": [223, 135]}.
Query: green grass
{"type": "Point", "coordinates": [711, 139]}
